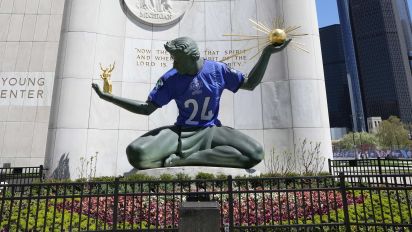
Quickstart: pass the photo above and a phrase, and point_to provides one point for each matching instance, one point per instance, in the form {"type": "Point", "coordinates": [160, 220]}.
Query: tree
{"type": "Point", "coordinates": [392, 133]}
{"type": "Point", "coordinates": [358, 140]}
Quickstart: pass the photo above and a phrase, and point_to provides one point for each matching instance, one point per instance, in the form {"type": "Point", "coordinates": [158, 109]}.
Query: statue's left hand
{"type": "Point", "coordinates": [276, 48]}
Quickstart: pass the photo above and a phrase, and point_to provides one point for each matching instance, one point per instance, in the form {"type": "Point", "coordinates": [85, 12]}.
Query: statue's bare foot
{"type": "Point", "coordinates": [171, 160]}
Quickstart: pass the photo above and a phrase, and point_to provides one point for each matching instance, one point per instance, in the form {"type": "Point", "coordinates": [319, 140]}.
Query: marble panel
{"type": "Point", "coordinates": [74, 103]}
{"type": "Point", "coordinates": [4, 110]}
{"type": "Point", "coordinates": [45, 6]}
{"type": "Point", "coordinates": [2, 56]}
{"type": "Point", "coordinates": [193, 22]}
{"type": "Point", "coordinates": [315, 135]}
{"type": "Point", "coordinates": [55, 23]}
{"type": "Point", "coordinates": [78, 61]}
{"type": "Point", "coordinates": [115, 24]}
{"type": "Point", "coordinates": [16, 23]}
{"type": "Point", "coordinates": [16, 162]}
{"type": "Point", "coordinates": [278, 142]}
{"type": "Point", "coordinates": [19, 6]}
{"type": "Point", "coordinates": [305, 101]}
{"type": "Point", "coordinates": [51, 138]}
{"type": "Point", "coordinates": [269, 11]}
{"type": "Point", "coordinates": [66, 16]}
{"type": "Point", "coordinates": [18, 139]}
{"type": "Point", "coordinates": [2, 133]}
{"type": "Point", "coordinates": [301, 64]}
{"type": "Point", "coordinates": [137, 30]}
{"type": "Point", "coordinates": [301, 13]}
{"type": "Point", "coordinates": [29, 24]}
{"type": "Point", "coordinates": [69, 146]}
{"type": "Point", "coordinates": [57, 7]}
{"type": "Point", "coordinates": [104, 143]}
{"type": "Point", "coordinates": [50, 56]}
{"type": "Point", "coordinates": [10, 56]}
{"type": "Point", "coordinates": [54, 110]}
{"type": "Point", "coordinates": [4, 26]}
{"type": "Point", "coordinates": [277, 112]}
{"type": "Point", "coordinates": [217, 20]}
{"type": "Point", "coordinates": [129, 120]}
{"type": "Point", "coordinates": [32, 6]}
{"type": "Point", "coordinates": [6, 7]}
{"type": "Point", "coordinates": [15, 113]}
{"type": "Point", "coordinates": [38, 148]}
{"type": "Point", "coordinates": [109, 49]}
{"type": "Point", "coordinates": [323, 111]}
{"type": "Point", "coordinates": [137, 60]}
{"type": "Point", "coordinates": [42, 25]}
{"type": "Point", "coordinates": [35, 162]}
{"type": "Point", "coordinates": [164, 116]}
{"type": "Point", "coordinates": [241, 11]}
{"type": "Point", "coordinates": [28, 114]}
{"type": "Point", "coordinates": [125, 138]}
{"type": "Point", "coordinates": [23, 57]}
{"type": "Point", "coordinates": [42, 114]}
{"type": "Point", "coordinates": [226, 109]}
{"type": "Point", "coordinates": [161, 61]}
{"type": "Point", "coordinates": [84, 15]}
{"type": "Point", "coordinates": [167, 32]}
{"type": "Point", "coordinates": [318, 57]}
{"type": "Point", "coordinates": [37, 51]}
{"type": "Point", "coordinates": [103, 114]}
{"type": "Point", "coordinates": [248, 109]}
{"type": "Point", "coordinates": [277, 69]}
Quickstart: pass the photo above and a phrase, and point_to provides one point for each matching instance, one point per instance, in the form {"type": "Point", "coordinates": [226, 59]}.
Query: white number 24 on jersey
{"type": "Point", "coordinates": [204, 116]}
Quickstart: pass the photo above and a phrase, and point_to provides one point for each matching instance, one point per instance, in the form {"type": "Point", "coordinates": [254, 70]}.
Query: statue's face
{"type": "Point", "coordinates": [183, 63]}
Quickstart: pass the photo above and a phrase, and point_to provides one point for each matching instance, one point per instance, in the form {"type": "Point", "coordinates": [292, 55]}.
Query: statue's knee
{"type": "Point", "coordinates": [135, 152]}
{"type": "Point", "coordinates": [256, 154]}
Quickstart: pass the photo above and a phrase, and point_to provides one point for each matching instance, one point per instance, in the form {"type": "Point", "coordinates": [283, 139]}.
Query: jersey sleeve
{"type": "Point", "coordinates": [161, 93]}
{"type": "Point", "coordinates": [233, 78]}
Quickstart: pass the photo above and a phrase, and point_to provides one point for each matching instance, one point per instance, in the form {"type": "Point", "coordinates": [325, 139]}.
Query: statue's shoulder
{"type": "Point", "coordinates": [171, 74]}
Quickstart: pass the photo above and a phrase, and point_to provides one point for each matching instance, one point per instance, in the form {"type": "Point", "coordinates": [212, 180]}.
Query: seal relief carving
{"type": "Point", "coordinates": [158, 12]}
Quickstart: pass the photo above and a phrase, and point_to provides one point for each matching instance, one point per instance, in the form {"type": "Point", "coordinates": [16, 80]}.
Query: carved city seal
{"type": "Point", "coordinates": [158, 12]}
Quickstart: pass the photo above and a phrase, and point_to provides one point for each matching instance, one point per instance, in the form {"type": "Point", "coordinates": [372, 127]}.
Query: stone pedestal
{"type": "Point", "coordinates": [199, 217]}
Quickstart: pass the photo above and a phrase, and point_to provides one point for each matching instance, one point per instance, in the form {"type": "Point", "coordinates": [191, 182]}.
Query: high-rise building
{"type": "Point", "coordinates": [357, 116]}
{"type": "Point", "coordinates": [381, 34]}
{"type": "Point", "coordinates": [334, 66]}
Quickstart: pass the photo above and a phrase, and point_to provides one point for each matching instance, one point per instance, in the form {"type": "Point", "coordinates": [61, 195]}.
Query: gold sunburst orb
{"type": "Point", "coordinates": [277, 36]}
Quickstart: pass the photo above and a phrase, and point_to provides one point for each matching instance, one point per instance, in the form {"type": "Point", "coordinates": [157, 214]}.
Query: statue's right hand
{"type": "Point", "coordinates": [97, 89]}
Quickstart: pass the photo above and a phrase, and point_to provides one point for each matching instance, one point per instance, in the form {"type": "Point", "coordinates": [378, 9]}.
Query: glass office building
{"type": "Point", "coordinates": [357, 116]}
{"type": "Point", "coordinates": [380, 31]}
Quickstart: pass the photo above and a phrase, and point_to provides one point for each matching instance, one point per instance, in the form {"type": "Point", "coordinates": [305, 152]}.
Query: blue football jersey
{"type": "Point", "coordinates": [197, 97]}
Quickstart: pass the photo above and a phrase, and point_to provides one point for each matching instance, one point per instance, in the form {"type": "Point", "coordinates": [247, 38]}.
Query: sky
{"type": "Point", "coordinates": [328, 12]}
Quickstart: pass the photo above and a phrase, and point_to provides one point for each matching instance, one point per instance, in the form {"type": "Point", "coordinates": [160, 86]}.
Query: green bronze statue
{"type": "Point", "coordinates": [197, 138]}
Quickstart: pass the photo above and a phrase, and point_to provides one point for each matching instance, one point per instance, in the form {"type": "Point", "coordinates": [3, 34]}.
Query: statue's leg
{"type": "Point", "coordinates": [151, 149]}
{"type": "Point", "coordinates": [229, 148]}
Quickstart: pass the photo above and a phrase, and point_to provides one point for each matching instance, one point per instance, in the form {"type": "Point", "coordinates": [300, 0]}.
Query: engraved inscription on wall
{"type": "Point", "coordinates": [25, 88]}
{"type": "Point", "coordinates": [161, 58]}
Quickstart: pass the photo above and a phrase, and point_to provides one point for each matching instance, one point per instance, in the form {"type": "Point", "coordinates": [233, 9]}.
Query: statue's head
{"type": "Point", "coordinates": [185, 53]}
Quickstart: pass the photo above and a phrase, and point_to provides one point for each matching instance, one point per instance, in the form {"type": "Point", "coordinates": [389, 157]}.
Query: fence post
{"type": "Point", "coordinates": [330, 166]}
{"type": "Point", "coordinates": [115, 202]}
{"type": "Point", "coordinates": [344, 201]}
{"type": "Point", "coordinates": [41, 173]}
{"type": "Point", "coordinates": [230, 193]}
{"type": "Point", "coordinates": [380, 169]}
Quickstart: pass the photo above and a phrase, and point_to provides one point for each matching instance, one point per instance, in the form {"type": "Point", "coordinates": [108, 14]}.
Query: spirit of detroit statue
{"type": "Point", "coordinates": [197, 138]}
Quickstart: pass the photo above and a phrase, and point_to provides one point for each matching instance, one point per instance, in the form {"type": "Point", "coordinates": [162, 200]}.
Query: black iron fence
{"type": "Point", "coordinates": [22, 175]}
{"type": "Point", "coordinates": [328, 203]}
